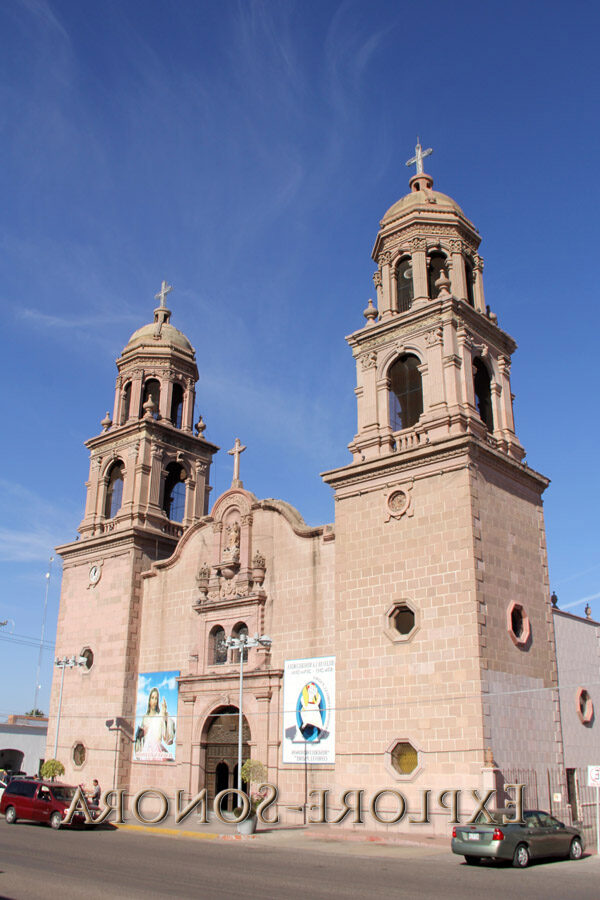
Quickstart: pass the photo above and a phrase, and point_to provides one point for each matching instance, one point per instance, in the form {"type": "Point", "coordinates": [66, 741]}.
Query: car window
{"type": "Point", "coordinates": [545, 820]}
{"type": "Point", "coordinates": [531, 820]}
{"type": "Point", "coordinates": [15, 789]}
{"type": "Point", "coordinates": [64, 794]}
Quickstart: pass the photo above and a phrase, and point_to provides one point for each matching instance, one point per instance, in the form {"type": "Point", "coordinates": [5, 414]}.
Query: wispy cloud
{"type": "Point", "coordinates": [38, 525]}
{"type": "Point", "coordinates": [582, 600]}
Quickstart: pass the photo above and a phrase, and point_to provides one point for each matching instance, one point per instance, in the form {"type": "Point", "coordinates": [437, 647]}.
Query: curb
{"type": "Point", "coordinates": [183, 833]}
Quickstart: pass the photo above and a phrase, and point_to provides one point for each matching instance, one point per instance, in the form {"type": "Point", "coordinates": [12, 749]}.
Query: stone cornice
{"type": "Point", "coordinates": [166, 434]}
{"type": "Point", "coordinates": [105, 544]}
{"type": "Point", "coordinates": [402, 464]}
{"type": "Point", "coordinates": [219, 678]}
{"type": "Point", "coordinates": [421, 318]}
{"type": "Point", "coordinates": [434, 222]}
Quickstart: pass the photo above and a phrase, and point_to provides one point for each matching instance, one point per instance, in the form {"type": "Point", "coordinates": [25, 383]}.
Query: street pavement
{"type": "Point", "coordinates": [294, 864]}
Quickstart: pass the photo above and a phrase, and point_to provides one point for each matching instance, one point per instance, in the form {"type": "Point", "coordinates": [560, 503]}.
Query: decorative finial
{"type": "Point", "coordinates": [164, 290]}
{"type": "Point", "coordinates": [419, 156]}
{"type": "Point", "coordinates": [554, 600]}
{"type": "Point", "coordinates": [370, 313]}
{"type": "Point", "coordinates": [236, 451]}
{"type": "Point", "coordinates": [588, 610]}
{"type": "Point", "coordinates": [106, 422]}
{"type": "Point", "coordinates": [200, 427]}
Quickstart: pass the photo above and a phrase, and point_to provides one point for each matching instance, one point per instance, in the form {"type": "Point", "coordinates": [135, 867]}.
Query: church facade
{"type": "Point", "coordinates": [412, 644]}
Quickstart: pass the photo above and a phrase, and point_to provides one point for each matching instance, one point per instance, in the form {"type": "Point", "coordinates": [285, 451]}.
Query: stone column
{"type": "Point", "coordinates": [497, 410]}
{"type": "Point", "coordinates": [135, 405]}
{"type": "Point", "coordinates": [166, 395]}
{"type": "Point", "coordinates": [190, 500]}
{"type": "Point", "coordinates": [199, 493]}
{"type": "Point", "coordinates": [130, 476]}
{"type": "Point", "coordinates": [377, 283]}
{"type": "Point", "coordinates": [508, 421]}
{"type": "Point", "coordinates": [466, 357]}
{"type": "Point", "coordinates": [156, 477]}
{"type": "Point", "coordinates": [118, 401]}
{"type": "Point", "coordinates": [187, 413]}
{"type": "Point", "coordinates": [478, 285]}
{"type": "Point", "coordinates": [385, 308]}
{"type": "Point", "coordinates": [457, 274]}
{"type": "Point", "coordinates": [419, 267]}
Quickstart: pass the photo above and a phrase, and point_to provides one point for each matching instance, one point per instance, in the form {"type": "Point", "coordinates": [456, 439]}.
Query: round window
{"type": "Point", "coordinates": [88, 656]}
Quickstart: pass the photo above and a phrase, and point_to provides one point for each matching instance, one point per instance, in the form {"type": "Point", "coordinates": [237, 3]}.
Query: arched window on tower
{"type": "Point", "coordinates": [126, 403]}
{"type": "Point", "coordinates": [483, 394]}
{"type": "Point", "coordinates": [406, 392]}
{"type": "Point", "coordinates": [240, 629]}
{"type": "Point", "coordinates": [469, 279]}
{"type": "Point", "coordinates": [114, 490]}
{"type": "Point", "coordinates": [177, 406]}
{"type": "Point", "coordinates": [174, 499]}
{"type": "Point", "coordinates": [152, 391]}
{"type": "Point", "coordinates": [217, 651]}
{"type": "Point", "coordinates": [437, 262]}
{"type": "Point", "coordinates": [404, 284]}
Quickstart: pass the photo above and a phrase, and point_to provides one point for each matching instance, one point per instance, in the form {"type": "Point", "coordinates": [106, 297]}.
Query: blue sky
{"type": "Point", "coordinates": [245, 151]}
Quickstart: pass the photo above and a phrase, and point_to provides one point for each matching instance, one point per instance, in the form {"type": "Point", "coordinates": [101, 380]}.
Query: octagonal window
{"type": "Point", "coordinates": [79, 754]}
{"type": "Point", "coordinates": [402, 759]}
{"type": "Point", "coordinates": [518, 625]}
{"type": "Point", "coordinates": [88, 655]}
{"type": "Point", "coordinates": [401, 621]}
{"type": "Point", "coordinates": [584, 706]}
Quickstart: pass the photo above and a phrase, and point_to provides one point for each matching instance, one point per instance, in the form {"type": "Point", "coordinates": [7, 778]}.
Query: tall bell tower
{"type": "Point", "coordinates": [148, 483]}
{"type": "Point", "coordinates": [441, 570]}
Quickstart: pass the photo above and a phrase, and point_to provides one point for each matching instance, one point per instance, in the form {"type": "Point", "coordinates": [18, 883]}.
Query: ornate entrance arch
{"type": "Point", "coordinates": [220, 740]}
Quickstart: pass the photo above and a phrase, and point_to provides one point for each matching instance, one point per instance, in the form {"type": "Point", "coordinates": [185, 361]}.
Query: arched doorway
{"type": "Point", "coordinates": [221, 745]}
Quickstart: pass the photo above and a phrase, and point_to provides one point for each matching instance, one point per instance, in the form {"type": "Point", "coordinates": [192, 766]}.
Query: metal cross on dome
{"type": "Point", "coordinates": [419, 156]}
{"type": "Point", "coordinates": [164, 290]}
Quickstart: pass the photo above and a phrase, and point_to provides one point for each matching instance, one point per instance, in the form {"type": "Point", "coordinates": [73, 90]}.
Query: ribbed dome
{"type": "Point", "coordinates": [426, 199]}
{"type": "Point", "coordinates": [153, 335]}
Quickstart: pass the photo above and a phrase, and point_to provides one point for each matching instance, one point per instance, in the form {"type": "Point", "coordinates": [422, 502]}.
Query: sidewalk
{"type": "Point", "coordinates": [290, 835]}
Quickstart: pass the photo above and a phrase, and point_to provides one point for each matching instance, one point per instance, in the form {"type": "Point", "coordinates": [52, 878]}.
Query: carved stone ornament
{"type": "Point", "coordinates": [247, 519]}
{"type": "Point", "coordinates": [202, 579]}
{"type": "Point", "coordinates": [434, 337]}
{"type": "Point", "coordinates": [398, 503]}
{"type": "Point", "coordinates": [217, 527]}
{"type": "Point", "coordinates": [385, 257]}
{"type": "Point", "coordinates": [369, 360]}
{"type": "Point", "coordinates": [231, 551]}
{"type": "Point", "coordinates": [258, 560]}
{"type": "Point", "coordinates": [418, 243]}
{"type": "Point", "coordinates": [377, 278]}
{"type": "Point", "coordinates": [456, 246]}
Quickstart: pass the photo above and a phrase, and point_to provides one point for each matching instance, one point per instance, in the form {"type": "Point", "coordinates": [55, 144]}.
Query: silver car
{"type": "Point", "coordinates": [541, 836]}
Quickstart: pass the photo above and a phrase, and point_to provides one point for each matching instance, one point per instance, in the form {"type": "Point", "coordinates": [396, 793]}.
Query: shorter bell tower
{"type": "Point", "coordinates": [148, 484]}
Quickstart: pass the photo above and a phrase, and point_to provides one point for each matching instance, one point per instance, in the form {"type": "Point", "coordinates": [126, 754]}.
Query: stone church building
{"type": "Point", "coordinates": [427, 600]}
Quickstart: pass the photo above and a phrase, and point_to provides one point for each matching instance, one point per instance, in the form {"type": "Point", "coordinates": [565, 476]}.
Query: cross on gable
{"type": "Point", "coordinates": [418, 158]}
{"type": "Point", "coordinates": [236, 451]}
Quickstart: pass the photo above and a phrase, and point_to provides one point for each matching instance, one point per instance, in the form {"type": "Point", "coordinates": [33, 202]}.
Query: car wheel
{"type": "Point", "coordinates": [472, 860]}
{"type": "Point", "coordinates": [576, 849]}
{"type": "Point", "coordinates": [55, 820]}
{"type": "Point", "coordinates": [11, 815]}
{"type": "Point", "coordinates": [521, 857]}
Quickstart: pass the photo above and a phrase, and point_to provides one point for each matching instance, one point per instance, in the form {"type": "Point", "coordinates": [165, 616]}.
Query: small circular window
{"type": "Point", "coordinates": [89, 658]}
{"type": "Point", "coordinates": [79, 754]}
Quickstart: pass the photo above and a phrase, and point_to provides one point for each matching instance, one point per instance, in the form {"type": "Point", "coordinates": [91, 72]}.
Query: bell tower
{"type": "Point", "coordinates": [148, 484]}
{"type": "Point", "coordinates": [441, 570]}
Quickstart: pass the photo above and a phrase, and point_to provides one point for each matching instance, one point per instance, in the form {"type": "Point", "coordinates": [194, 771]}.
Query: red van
{"type": "Point", "coordinates": [38, 801]}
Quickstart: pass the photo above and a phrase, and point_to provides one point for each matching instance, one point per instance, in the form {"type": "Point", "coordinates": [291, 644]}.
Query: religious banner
{"type": "Point", "coordinates": [309, 710]}
{"type": "Point", "coordinates": [156, 717]}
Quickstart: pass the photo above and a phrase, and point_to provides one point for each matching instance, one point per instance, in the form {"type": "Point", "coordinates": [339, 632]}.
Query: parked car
{"type": "Point", "coordinates": [541, 836]}
{"type": "Point", "coordinates": [3, 784]}
{"type": "Point", "coordinates": [38, 801]}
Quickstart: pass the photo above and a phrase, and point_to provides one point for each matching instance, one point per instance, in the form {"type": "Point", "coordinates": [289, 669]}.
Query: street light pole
{"type": "Point", "coordinates": [241, 643]}
{"type": "Point", "coordinates": [67, 662]}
